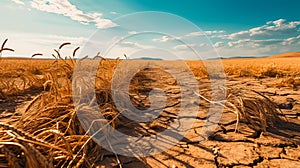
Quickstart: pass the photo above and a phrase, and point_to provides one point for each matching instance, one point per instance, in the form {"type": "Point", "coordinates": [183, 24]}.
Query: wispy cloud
{"type": "Point", "coordinates": [132, 44]}
{"type": "Point", "coordinates": [26, 44]}
{"type": "Point", "coordinates": [279, 32]}
{"type": "Point", "coordinates": [254, 43]}
{"type": "Point", "coordinates": [190, 47]}
{"type": "Point", "coordinates": [271, 28]}
{"type": "Point", "coordinates": [183, 46]}
{"type": "Point", "coordinates": [166, 39]}
{"type": "Point", "coordinates": [132, 32]}
{"type": "Point", "coordinates": [211, 34]}
{"type": "Point", "coordinates": [195, 34]}
{"type": "Point", "coordinates": [271, 38]}
{"type": "Point", "coordinates": [292, 40]}
{"type": "Point", "coordinates": [207, 33]}
{"type": "Point", "coordinates": [262, 47]}
{"type": "Point", "coordinates": [57, 40]}
{"type": "Point", "coordinates": [65, 8]}
{"type": "Point", "coordinates": [113, 13]}
{"type": "Point", "coordinates": [18, 2]}
{"type": "Point", "coordinates": [219, 44]}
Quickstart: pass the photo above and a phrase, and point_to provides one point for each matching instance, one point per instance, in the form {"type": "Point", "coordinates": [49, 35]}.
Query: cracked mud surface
{"type": "Point", "coordinates": [224, 148]}
{"type": "Point", "coordinates": [278, 147]}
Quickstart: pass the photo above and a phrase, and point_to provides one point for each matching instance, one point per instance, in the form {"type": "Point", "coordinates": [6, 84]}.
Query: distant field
{"type": "Point", "coordinates": [255, 67]}
{"type": "Point", "coordinates": [37, 111]}
{"type": "Point", "coordinates": [281, 65]}
{"type": "Point", "coordinates": [287, 55]}
{"type": "Point", "coordinates": [21, 74]}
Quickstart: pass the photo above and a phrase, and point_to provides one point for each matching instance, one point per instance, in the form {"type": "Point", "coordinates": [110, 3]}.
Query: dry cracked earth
{"type": "Point", "coordinates": [278, 147]}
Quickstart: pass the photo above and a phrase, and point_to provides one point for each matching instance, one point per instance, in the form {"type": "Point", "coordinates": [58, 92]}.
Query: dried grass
{"type": "Point", "coordinates": [292, 82]}
{"type": "Point", "coordinates": [253, 108]}
{"type": "Point", "coordinates": [255, 67]}
{"type": "Point", "coordinates": [49, 134]}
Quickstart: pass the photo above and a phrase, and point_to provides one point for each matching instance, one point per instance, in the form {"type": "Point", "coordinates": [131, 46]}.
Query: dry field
{"type": "Point", "coordinates": [259, 126]}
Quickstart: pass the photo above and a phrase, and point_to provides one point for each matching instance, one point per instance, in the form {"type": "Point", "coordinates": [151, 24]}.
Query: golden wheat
{"type": "Point", "coordinates": [49, 134]}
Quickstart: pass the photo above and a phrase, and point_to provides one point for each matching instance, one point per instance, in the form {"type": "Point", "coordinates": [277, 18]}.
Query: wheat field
{"type": "Point", "coordinates": [46, 132]}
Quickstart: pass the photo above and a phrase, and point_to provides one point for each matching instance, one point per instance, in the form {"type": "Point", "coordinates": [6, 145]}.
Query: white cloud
{"type": "Point", "coordinates": [18, 2]}
{"type": "Point", "coordinates": [292, 40]}
{"type": "Point", "coordinates": [57, 40]}
{"type": "Point", "coordinates": [113, 13]}
{"type": "Point", "coordinates": [26, 44]}
{"type": "Point", "coordinates": [271, 28]}
{"type": "Point", "coordinates": [274, 37]}
{"type": "Point", "coordinates": [278, 22]}
{"type": "Point", "coordinates": [64, 7]}
{"type": "Point", "coordinates": [271, 38]}
{"type": "Point", "coordinates": [183, 46]}
{"type": "Point", "coordinates": [263, 47]}
{"type": "Point", "coordinates": [267, 42]}
{"type": "Point", "coordinates": [194, 34]}
{"type": "Point", "coordinates": [189, 36]}
{"type": "Point", "coordinates": [208, 33]}
{"type": "Point", "coordinates": [249, 43]}
{"type": "Point", "coordinates": [132, 32]}
{"type": "Point", "coordinates": [238, 43]}
{"type": "Point", "coordinates": [219, 44]}
{"type": "Point", "coordinates": [131, 44]}
{"type": "Point", "coordinates": [214, 32]}
{"type": "Point", "coordinates": [167, 38]}
{"type": "Point", "coordinates": [241, 34]}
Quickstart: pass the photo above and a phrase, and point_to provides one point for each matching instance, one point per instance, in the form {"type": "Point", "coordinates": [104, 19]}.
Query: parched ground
{"type": "Point", "coordinates": [224, 148]}
{"type": "Point", "coordinates": [276, 148]}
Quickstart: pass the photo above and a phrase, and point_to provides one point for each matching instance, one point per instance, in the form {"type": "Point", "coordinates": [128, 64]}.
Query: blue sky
{"type": "Point", "coordinates": [234, 28]}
